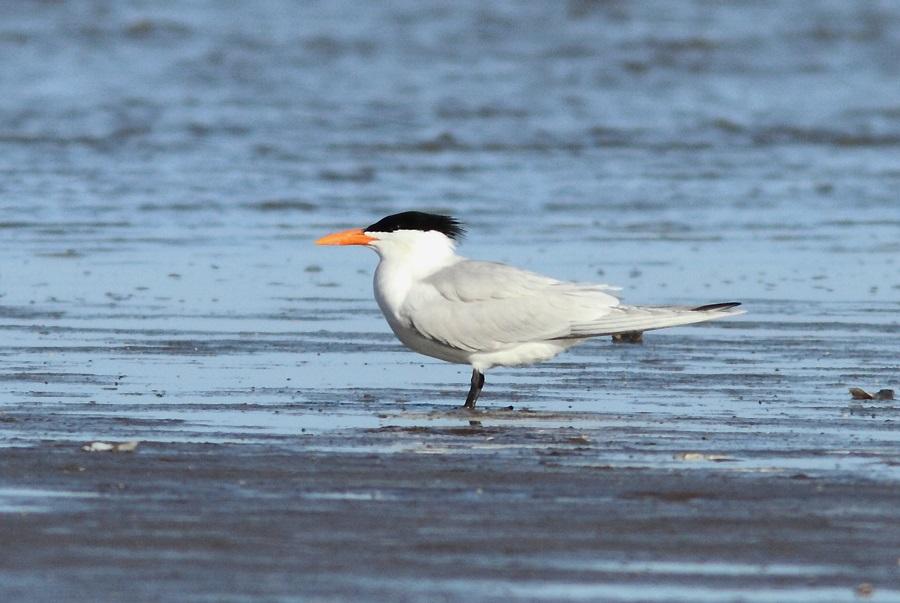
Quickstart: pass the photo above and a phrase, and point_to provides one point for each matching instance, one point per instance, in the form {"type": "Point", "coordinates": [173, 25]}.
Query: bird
{"type": "Point", "coordinates": [488, 314]}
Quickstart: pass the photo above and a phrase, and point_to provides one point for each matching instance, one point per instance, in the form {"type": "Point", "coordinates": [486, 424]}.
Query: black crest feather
{"type": "Point", "coordinates": [419, 220]}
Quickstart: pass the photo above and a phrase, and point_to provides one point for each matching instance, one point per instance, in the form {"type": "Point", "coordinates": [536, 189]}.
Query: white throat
{"type": "Point", "coordinates": [407, 256]}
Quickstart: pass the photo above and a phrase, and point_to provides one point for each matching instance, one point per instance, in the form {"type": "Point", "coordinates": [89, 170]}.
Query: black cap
{"type": "Point", "coordinates": [419, 220]}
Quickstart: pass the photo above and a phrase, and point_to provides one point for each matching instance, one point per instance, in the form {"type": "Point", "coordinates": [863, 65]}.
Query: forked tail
{"type": "Point", "coordinates": [627, 319]}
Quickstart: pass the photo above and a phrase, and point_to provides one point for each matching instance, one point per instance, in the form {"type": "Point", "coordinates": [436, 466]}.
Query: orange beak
{"type": "Point", "coordinates": [354, 236]}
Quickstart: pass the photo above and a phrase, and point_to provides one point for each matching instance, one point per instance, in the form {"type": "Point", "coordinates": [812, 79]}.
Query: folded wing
{"type": "Point", "coordinates": [485, 306]}
{"type": "Point", "coordinates": [626, 319]}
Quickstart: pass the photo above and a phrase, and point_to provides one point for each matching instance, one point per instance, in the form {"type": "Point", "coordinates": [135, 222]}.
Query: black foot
{"type": "Point", "coordinates": [475, 390]}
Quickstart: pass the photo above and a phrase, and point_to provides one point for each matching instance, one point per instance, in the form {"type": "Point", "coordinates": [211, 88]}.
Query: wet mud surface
{"type": "Point", "coordinates": [158, 285]}
{"type": "Point", "coordinates": [672, 470]}
{"type": "Point", "coordinates": [452, 513]}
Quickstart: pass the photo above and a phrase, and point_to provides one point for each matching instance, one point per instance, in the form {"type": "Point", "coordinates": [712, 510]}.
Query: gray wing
{"type": "Point", "coordinates": [628, 319]}
{"type": "Point", "coordinates": [485, 306]}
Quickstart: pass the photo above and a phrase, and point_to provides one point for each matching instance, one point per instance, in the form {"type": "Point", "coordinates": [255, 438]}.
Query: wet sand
{"type": "Point", "coordinates": [700, 481]}
{"type": "Point", "coordinates": [290, 449]}
{"type": "Point", "coordinates": [166, 167]}
{"type": "Point", "coordinates": [447, 513]}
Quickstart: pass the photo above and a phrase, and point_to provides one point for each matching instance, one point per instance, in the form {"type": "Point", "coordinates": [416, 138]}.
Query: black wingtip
{"type": "Point", "coordinates": [720, 306]}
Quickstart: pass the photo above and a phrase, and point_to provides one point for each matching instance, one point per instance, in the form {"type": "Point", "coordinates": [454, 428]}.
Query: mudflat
{"type": "Point", "coordinates": [253, 430]}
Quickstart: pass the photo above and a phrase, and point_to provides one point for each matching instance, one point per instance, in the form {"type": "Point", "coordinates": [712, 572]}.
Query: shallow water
{"type": "Point", "coordinates": [166, 167]}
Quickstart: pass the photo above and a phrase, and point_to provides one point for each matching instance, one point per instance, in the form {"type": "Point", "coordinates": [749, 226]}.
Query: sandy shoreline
{"type": "Point", "coordinates": [611, 507]}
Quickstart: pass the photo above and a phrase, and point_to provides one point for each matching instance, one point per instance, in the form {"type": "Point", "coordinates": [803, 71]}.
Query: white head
{"type": "Point", "coordinates": [412, 235]}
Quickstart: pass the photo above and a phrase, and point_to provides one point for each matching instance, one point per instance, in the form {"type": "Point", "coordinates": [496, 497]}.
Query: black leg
{"type": "Point", "coordinates": [475, 390]}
